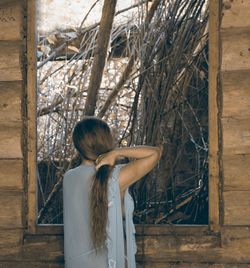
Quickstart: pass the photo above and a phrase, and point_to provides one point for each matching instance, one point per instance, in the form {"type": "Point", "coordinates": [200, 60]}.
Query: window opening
{"type": "Point", "coordinates": [162, 51]}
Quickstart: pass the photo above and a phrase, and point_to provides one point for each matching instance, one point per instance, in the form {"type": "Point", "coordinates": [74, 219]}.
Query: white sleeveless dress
{"type": "Point", "coordinates": [78, 248]}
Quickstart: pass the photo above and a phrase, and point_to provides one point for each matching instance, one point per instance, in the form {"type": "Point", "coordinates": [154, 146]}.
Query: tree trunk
{"type": "Point", "coordinates": [108, 13]}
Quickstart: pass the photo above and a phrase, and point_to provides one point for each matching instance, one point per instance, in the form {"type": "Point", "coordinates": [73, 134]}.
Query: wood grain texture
{"type": "Point", "coordinates": [10, 101]}
{"type": "Point", "coordinates": [191, 265]}
{"type": "Point", "coordinates": [236, 172]}
{"type": "Point", "coordinates": [237, 208]}
{"type": "Point", "coordinates": [235, 49]}
{"type": "Point", "coordinates": [236, 136]}
{"type": "Point", "coordinates": [10, 242]}
{"type": "Point", "coordinates": [236, 94]}
{"type": "Point", "coordinates": [10, 61]}
{"type": "Point", "coordinates": [11, 20]}
{"type": "Point", "coordinates": [31, 264]}
{"type": "Point", "coordinates": [51, 247]}
{"type": "Point", "coordinates": [10, 140]}
{"type": "Point", "coordinates": [31, 112]}
{"type": "Point", "coordinates": [11, 172]}
{"type": "Point", "coordinates": [11, 209]}
{"type": "Point", "coordinates": [213, 120]}
{"type": "Point", "coordinates": [236, 13]}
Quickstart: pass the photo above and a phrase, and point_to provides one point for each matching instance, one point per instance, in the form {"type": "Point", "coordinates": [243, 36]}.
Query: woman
{"type": "Point", "coordinates": [96, 198]}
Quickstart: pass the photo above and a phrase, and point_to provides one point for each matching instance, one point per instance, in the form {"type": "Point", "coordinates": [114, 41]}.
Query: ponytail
{"type": "Point", "coordinates": [99, 205]}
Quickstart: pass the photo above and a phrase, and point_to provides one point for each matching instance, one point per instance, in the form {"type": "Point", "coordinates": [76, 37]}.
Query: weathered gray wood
{"type": "Point", "coordinates": [235, 49]}
{"type": "Point", "coordinates": [11, 20]}
{"type": "Point", "coordinates": [11, 209]}
{"type": "Point", "coordinates": [236, 13]}
{"type": "Point", "coordinates": [236, 172]}
{"type": "Point", "coordinates": [10, 140]}
{"type": "Point", "coordinates": [11, 172]}
{"type": "Point", "coordinates": [236, 136]}
{"type": "Point", "coordinates": [10, 61]}
{"type": "Point", "coordinates": [236, 94]}
{"type": "Point", "coordinates": [10, 101]}
{"type": "Point", "coordinates": [236, 208]}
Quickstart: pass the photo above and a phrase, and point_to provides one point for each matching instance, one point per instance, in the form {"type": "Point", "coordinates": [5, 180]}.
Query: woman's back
{"type": "Point", "coordinates": [78, 248]}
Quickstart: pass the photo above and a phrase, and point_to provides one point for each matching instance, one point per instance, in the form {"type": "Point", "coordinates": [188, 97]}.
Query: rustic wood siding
{"type": "Point", "coordinates": [235, 81]}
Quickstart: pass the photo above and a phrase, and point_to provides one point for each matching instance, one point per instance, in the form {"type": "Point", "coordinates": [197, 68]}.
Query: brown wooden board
{"type": "Point", "coordinates": [10, 140]}
{"type": "Point", "coordinates": [237, 208]}
{"type": "Point", "coordinates": [10, 242]}
{"type": "Point", "coordinates": [191, 265]}
{"type": "Point", "coordinates": [236, 13]}
{"type": "Point", "coordinates": [10, 101]}
{"type": "Point", "coordinates": [10, 61]}
{"type": "Point", "coordinates": [236, 94]}
{"type": "Point", "coordinates": [11, 209]}
{"type": "Point", "coordinates": [11, 171]}
{"type": "Point", "coordinates": [235, 49]}
{"type": "Point", "coordinates": [31, 264]}
{"type": "Point", "coordinates": [236, 172]}
{"type": "Point", "coordinates": [236, 136]}
{"type": "Point", "coordinates": [11, 20]}
{"type": "Point", "coordinates": [50, 246]}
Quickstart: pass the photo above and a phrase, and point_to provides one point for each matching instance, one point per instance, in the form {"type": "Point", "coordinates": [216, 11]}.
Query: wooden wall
{"type": "Point", "coordinates": [158, 246]}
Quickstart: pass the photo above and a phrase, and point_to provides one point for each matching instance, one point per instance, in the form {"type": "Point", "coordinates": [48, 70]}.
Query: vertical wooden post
{"type": "Point", "coordinates": [31, 113]}
{"type": "Point", "coordinates": [213, 120]}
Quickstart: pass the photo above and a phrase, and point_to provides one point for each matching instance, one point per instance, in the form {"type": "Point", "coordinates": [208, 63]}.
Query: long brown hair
{"type": "Point", "coordinates": [92, 137]}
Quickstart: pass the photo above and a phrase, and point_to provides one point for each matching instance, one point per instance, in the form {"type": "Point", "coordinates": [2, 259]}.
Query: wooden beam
{"type": "Point", "coordinates": [31, 110]}
{"type": "Point", "coordinates": [214, 65]}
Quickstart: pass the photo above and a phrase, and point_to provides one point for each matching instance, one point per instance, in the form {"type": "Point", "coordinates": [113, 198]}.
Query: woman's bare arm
{"type": "Point", "coordinates": [146, 157]}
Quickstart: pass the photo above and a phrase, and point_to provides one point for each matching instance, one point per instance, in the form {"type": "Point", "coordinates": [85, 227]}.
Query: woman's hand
{"type": "Point", "coordinates": [105, 159]}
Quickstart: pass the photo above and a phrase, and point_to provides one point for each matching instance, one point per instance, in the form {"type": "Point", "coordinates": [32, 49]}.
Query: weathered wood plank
{"type": "Point", "coordinates": [191, 265]}
{"type": "Point", "coordinates": [180, 230]}
{"type": "Point", "coordinates": [11, 172]}
{"type": "Point", "coordinates": [236, 136]}
{"type": "Point", "coordinates": [10, 242]}
{"type": "Point", "coordinates": [30, 264]}
{"type": "Point", "coordinates": [214, 69]}
{"type": "Point", "coordinates": [236, 13]}
{"type": "Point", "coordinates": [11, 209]}
{"type": "Point", "coordinates": [31, 110]}
{"type": "Point", "coordinates": [10, 140]}
{"type": "Point", "coordinates": [236, 208]}
{"type": "Point", "coordinates": [10, 101]}
{"type": "Point", "coordinates": [50, 245]}
{"type": "Point", "coordinates": [11, 20]}
{"type": "Point", "coordinates": [236, 172]}
{"type": "Point", "coordinates": [235, 49]}
{"type": "Point", "coordinates": [10, 61]}
{"type": "Point", "coordinates": [236, 94]}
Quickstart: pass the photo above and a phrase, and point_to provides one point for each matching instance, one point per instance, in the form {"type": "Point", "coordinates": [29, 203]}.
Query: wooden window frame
{"type": "Point", "coordinates": [215, 218]}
